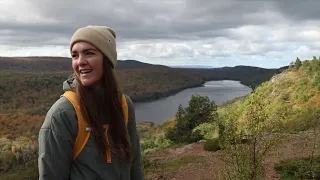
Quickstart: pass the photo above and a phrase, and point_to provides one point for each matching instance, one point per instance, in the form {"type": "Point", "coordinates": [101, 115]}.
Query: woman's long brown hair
{"type": "Point", "coordinates": [104, 101]}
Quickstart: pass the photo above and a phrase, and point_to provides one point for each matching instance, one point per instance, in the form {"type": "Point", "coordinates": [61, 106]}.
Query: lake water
{"type": "Point", "coordinates": [219, 91]}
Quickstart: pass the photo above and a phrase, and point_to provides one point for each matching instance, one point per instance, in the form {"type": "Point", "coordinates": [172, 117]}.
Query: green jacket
{"type": "Point", "coordinates": [56, 139]}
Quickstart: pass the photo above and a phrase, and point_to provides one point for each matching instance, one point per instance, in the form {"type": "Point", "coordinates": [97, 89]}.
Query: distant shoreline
{"type": "Point", "coordinates": [154, 124]}
{"type": "Point", "coordinates": [158, 96]}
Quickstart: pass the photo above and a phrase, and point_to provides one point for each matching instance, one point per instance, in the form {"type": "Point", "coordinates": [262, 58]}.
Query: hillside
{"type": "Point", "coordinates": [292, 96]}
{"type": "Point", "coordinates": [57, 64]}
{"type": "Point", "coordinates": [250, 76]}
{"type": "Point", "coordinates": [290, 99]}
{"type": "Point", "coordinates": [247, 75]}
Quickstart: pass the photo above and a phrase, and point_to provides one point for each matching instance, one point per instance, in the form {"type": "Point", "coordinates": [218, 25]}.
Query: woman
{"type": "Point", "coordinates": [94, 56]}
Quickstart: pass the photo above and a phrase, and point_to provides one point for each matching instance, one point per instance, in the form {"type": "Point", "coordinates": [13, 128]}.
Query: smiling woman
{"type": "Point", "coordinates": [108, 147]}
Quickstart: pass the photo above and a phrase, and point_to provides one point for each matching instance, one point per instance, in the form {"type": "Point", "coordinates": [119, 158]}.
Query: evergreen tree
{"type": "Point", "coordinates": [200, 110]}
{"type": "Point", "coordinates": [314, 58]}
{"type": "Point", "coordinates": [297, 64]}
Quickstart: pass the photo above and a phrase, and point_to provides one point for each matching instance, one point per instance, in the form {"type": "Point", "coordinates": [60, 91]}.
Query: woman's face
{"type": "Point", "coordinates": [87, 63]}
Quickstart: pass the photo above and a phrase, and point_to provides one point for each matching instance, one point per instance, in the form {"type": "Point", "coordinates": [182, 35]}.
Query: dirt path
{"type": "Point", "coordinates": [293, 146]}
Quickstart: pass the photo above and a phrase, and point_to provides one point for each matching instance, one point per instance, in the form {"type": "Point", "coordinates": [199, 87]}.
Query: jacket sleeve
{"type": "Point", "coordinates": [136, 169]}
{"type": "Point", "coordinates": [55, 147]}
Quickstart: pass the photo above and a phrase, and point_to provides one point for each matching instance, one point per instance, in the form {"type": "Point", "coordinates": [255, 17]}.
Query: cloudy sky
{"type": "Point", "coordinates": [264, 33]}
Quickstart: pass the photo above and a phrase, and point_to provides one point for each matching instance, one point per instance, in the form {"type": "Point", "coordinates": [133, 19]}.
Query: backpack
{"type": "Point", "coordinates": [83, 130]}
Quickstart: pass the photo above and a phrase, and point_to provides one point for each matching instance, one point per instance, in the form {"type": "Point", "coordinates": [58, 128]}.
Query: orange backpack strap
{"type": "Point", "coordinates": [125, 109]}
{"type": "Point", "coordinates": [83, 133]}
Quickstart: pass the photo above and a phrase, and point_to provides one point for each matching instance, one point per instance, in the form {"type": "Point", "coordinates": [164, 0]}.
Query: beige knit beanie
{"type": "Point", "coordinates": [102, 37]}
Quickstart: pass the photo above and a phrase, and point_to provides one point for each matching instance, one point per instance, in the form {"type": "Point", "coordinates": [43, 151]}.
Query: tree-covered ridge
{"type": "Point", "coordinates": [294, 95]}
{"type": "Point", "coordinates": [250, 76]}
{"type": "Point", "coordinates": [58, 64]}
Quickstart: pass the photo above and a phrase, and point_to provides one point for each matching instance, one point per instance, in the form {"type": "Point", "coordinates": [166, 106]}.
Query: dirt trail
{"type": "Point", "coordinates": [293, 146]}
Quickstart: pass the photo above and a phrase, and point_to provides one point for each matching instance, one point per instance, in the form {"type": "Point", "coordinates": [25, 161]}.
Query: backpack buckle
{"type": "Point", "coordinates": [88, 129]}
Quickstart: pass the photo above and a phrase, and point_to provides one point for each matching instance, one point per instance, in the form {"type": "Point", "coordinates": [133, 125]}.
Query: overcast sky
{"type": "Point", "coordinates": [264, 33]}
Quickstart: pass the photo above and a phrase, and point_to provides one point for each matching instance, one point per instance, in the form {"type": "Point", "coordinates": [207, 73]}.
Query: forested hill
{"type": "Point", "coordinates": [55, 64]}
{"type": "Point", "coordinates": [248, 75]}
{"type": "Point", "coordinates": [291, 97]}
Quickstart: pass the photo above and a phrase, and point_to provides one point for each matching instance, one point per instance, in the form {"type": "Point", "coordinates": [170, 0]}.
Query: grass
{"type": "Point", "coordinates": [23, 173]}
{"type": "Point", "coordinates": [168, 167]}
{"type": "Point", "coordinates": [294, 169]}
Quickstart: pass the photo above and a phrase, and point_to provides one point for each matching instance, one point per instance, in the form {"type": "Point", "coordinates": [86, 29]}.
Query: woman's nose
{"type": "Point", "coordinates": [82, 60]}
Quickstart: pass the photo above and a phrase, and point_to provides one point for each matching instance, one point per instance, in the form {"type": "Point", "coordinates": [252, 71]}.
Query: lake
{"type": "Point", "coordinates": [162, 109]}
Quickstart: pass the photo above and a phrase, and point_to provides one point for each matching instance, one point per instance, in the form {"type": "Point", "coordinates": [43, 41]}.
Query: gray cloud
{"type": "Point", "coordinates": [138, 19]}
{"type": "Point", "coordinates": [230, 28]}
{"type": "Point", "coordinates": [297, 10]}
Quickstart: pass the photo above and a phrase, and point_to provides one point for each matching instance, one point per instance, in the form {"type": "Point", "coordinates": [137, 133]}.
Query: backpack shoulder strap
{"type": "Point", "coordinates": [125, 109]}
{"type": "Point", "coordinates": [83, 134]}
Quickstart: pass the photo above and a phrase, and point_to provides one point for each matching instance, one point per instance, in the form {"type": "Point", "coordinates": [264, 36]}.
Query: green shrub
{"type": "Point", "coordinates": [212, 145]}
{"type": "Point", "coordinates": [285, 97]}
{"type": "Point", "coordinates": [22, 173]}
{"type": "Point", "coordinates": [245, 161]}
{"type": "Point", "coordinates": [208, 130]}
{"type": "Point", "coordinates": [16, 158]}
{"type": "Point", "coordinates": [7, 158]}
{"type": "Point", "coordinates": [299, 169]}
{"type": "Point", "coordinates": [194, 137]}
{"type": "Point", "coordinates": [317, 80]}
{"type": "Point", "coordinates": [301, 120]}
{"type": "Point", "coordinates": [297, 64]}
{"type": "Point", "coordinates": [177, 136]}
{"type": "Point", "coordinates": [154, 142]}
